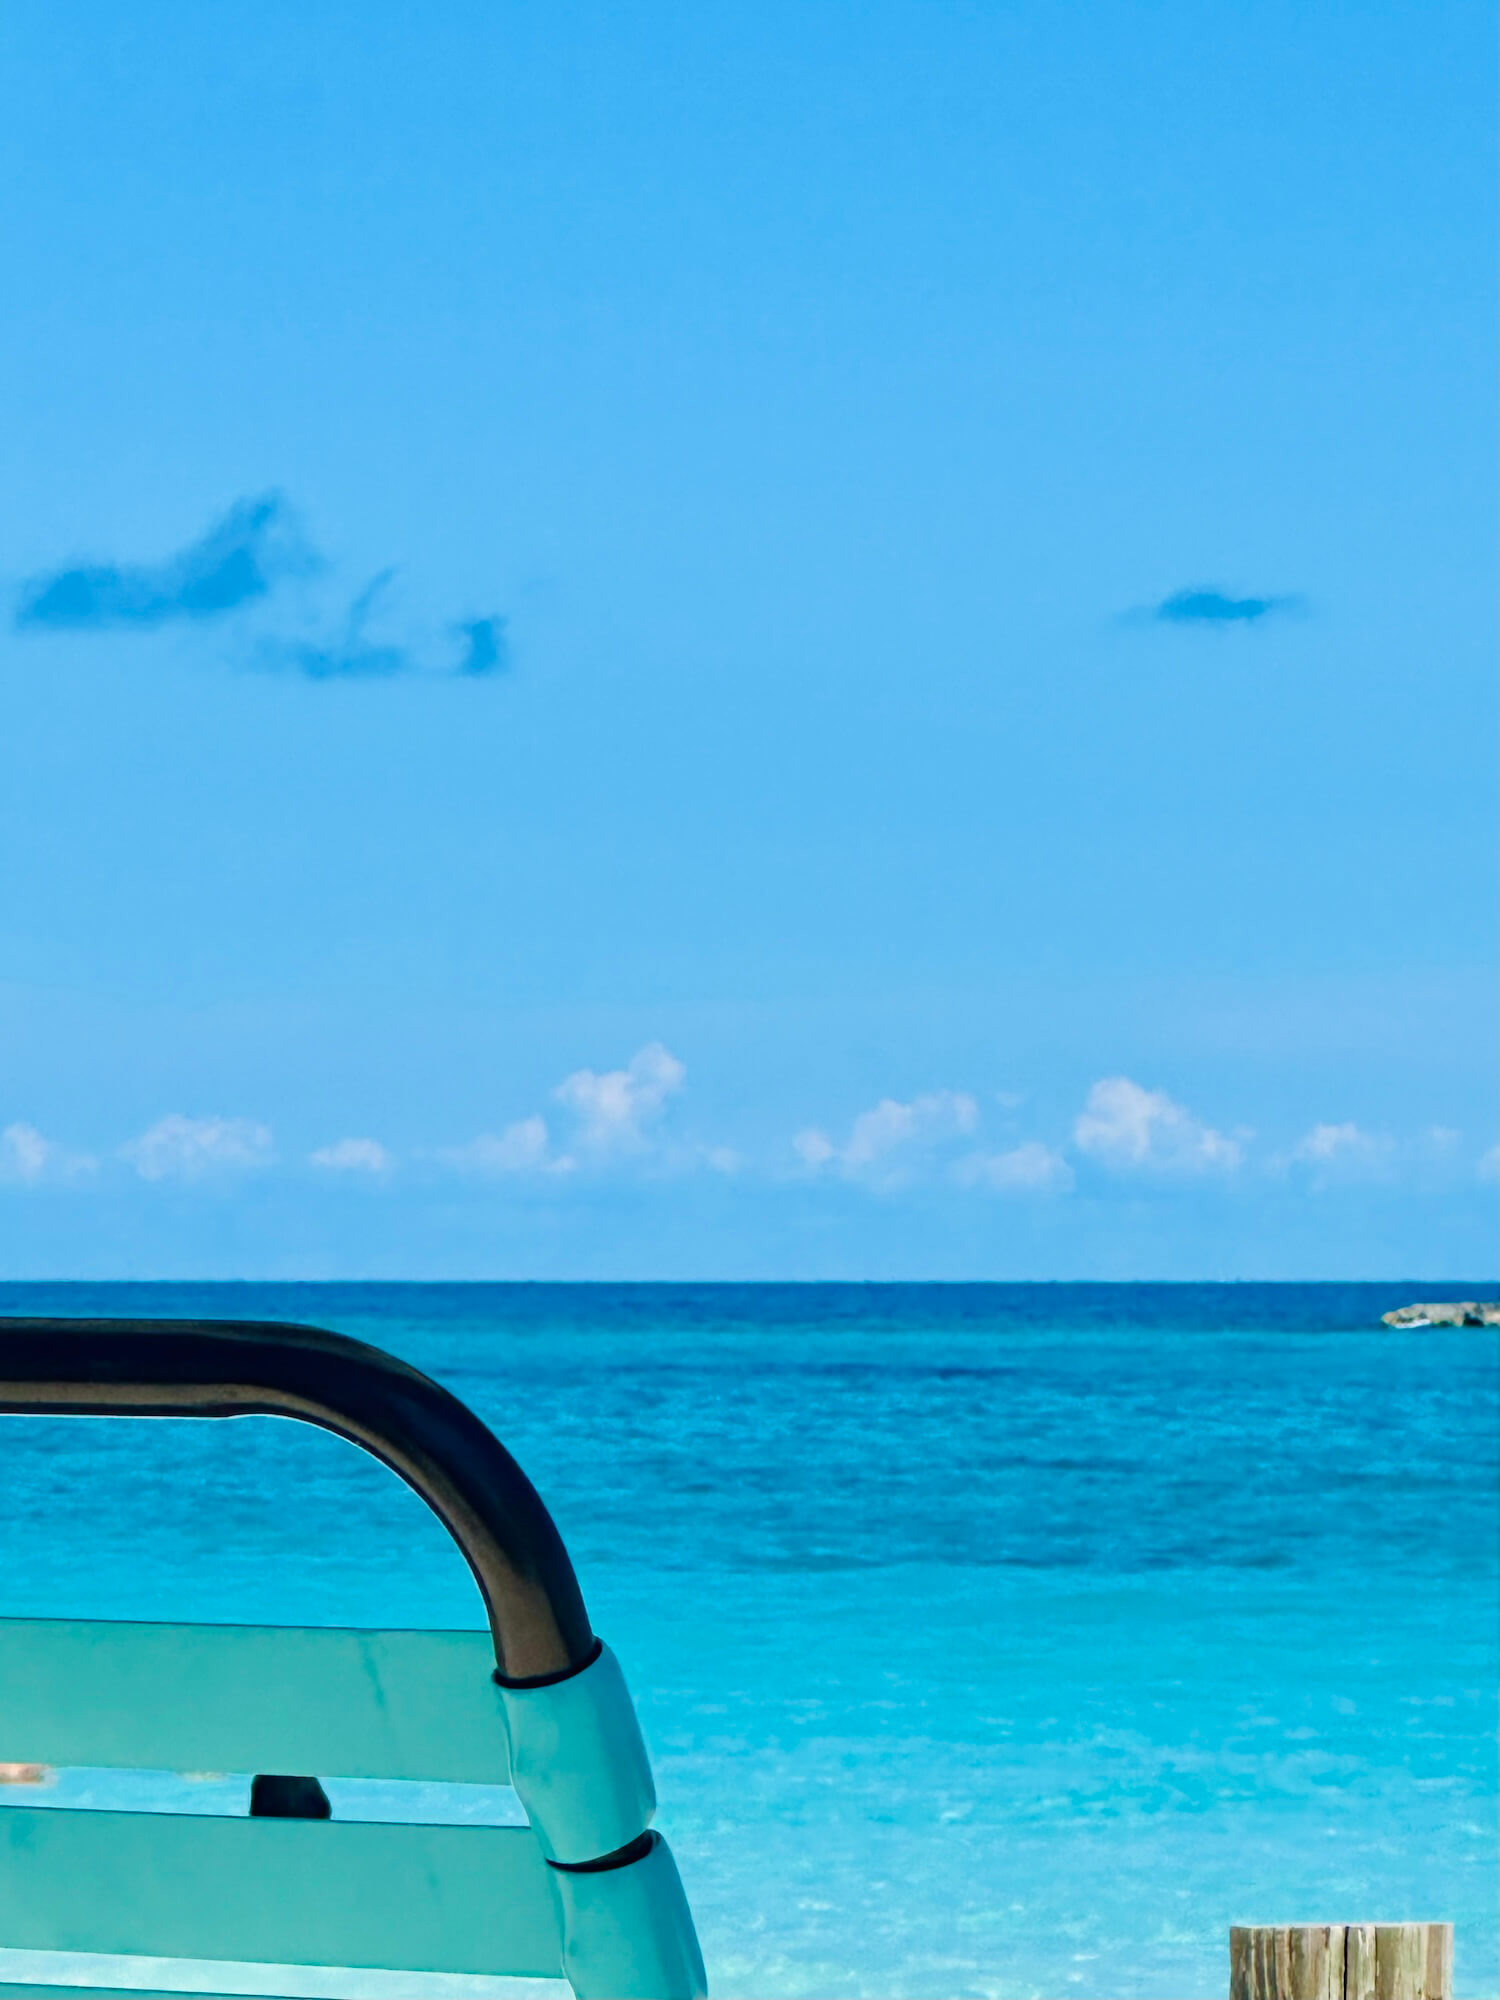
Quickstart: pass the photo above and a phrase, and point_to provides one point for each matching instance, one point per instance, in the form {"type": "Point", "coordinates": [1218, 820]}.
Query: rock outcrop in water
{"type": "Point", "coordinates": [1466, 1312]}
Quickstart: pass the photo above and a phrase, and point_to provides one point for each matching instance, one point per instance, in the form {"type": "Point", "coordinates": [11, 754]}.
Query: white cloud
{"type": "Point", "coordinates": [814, 1148]}
{"type": "Point", "coordinates": [613, 1114]}
{"type": "Point", "coordinates": [1345, 1145]}
{"type": "Point", "coordinates": [889, 1139]}
{"type": "Point", "coordinates": [1330, 1153]}
{"type": "Point", "coordinates": [26, 1156]}
{"type": "Point", "coordinates": [613, 1107]}
{"type": "Point", "coordinates": [1125, 1125]}
{"type": "Point", "coordinates": [24, 1153]}
{"type": "Point", "coordinates": [1031, 1168]}
{"type": "Point", "coordinates": [1489, 1165]}
{"type": "Point", "coordinates": [353, 1156]}
{"type": "Point", "coordinates": [520, 1149]}
{"type": "Point", "coordinates": [178, 1148]}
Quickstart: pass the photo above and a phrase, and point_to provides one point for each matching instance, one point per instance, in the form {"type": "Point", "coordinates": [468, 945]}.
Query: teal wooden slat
{"type": "Point", "coordinates": [284, 1892]}
{"type": "Point", "coordinates": [252, 1698]}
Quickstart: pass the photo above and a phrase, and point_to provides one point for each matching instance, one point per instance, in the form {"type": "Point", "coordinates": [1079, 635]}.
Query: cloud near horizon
{"type": "Point", "coordinates": [521, 1148]}
{"type": "Point", "coordinates": [1129, 1128]}
{"type": "Point", "coordinates": [188, 1149]}
{"type": "Point", "coordinates": [895, 1143]}
{"type": "Point", "coordinates": [615, 1123]}
{"type": "Point", "coordinates": [887, 1143]}
{"type": "Point", "coordinates": [352, 1156]}
{"type": "Point", "coordinates": [238, 565]}
{"type": "Point", "coordinates": [614, 1108]}
{"type": "Point", "coordinates": [1030, 1168]}
{"type": "Point", "coordinates": [1333, 1153]}
{"type": "Point", "coordinates": [28, 1157]}
{"type": "Point", "coordinates": [615, 1113]}
{"type": "Point", "coordinates": [1339, 1142]}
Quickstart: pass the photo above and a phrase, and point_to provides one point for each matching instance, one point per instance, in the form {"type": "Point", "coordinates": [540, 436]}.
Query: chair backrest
{"type": "Point", "coordinates": [221, 1698]}
{"type": "Point", "coordinates": [585, 1891]}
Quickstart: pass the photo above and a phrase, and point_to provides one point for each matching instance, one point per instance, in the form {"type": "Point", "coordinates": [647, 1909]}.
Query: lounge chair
{"type": "Point", "coordinates": [586, 1891]}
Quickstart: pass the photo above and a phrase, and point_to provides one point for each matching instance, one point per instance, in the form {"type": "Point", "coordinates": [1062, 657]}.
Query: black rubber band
{"type": "Point", "coordinates": [547, 1680]}
{"type": "Point", "coordinates": [635, 1850]}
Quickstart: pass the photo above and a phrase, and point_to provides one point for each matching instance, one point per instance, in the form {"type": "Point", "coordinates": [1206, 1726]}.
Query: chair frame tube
{"type": "Point", "coordinates": [242, 1368]}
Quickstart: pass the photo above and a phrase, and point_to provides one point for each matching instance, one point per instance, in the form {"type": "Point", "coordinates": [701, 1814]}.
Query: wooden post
{"type": "Point", "coordinates": [1341, 1962]}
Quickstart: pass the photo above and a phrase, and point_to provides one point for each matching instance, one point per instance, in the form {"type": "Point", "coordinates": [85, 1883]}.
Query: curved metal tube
{"type": "Point", "coordinates": [234, 1368]}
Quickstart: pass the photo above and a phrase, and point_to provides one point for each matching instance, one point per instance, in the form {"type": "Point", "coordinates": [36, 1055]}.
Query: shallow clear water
{"type": "Point", "coordinates": [989, 1640]}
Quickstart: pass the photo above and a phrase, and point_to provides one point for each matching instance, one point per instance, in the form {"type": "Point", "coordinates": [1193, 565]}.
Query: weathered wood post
{"type": "Point", "coordinates": [1341, 1962]}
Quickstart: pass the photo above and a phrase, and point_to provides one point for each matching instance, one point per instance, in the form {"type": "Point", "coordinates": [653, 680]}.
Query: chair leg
{"type": "Point", "coordinates": [288, 1798]}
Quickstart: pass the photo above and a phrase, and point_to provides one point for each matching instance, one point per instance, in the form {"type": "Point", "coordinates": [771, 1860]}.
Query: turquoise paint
{"type": "Point", "coordinates": [347, 1704]}
{"type": "Point", "coordinates": [303, 1892]}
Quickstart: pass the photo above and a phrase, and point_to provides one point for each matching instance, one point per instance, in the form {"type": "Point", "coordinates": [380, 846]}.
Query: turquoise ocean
{"type": "Point", "coordinates": [989, 1640]}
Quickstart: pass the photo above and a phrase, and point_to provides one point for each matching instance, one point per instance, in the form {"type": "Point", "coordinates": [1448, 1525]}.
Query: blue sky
{"type": "Point", "coordinates": [747, 641]}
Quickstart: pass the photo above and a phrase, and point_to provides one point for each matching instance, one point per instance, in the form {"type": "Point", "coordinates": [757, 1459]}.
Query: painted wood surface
{"type": "Point", "coordinates": [278, 1891]}
{"type": "Point", "coordinates": [344, 1704]}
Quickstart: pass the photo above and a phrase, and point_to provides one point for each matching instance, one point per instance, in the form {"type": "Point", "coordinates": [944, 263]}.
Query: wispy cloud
{"type": "Point", "coordinates": [23, 1153]}
{"type": "Point", "coordinates": [1204, 605]}
{"type": "Point", "coordinates": [520, 1149]}
{"type": "Point", "coordinates": [1325, 1143]}
{"type": "Point", "coordinates": [484, 645]}
{"type": "Point", "coordinates": [236, 568]}
{"type": "Point", "coordinates": [898, 1142]}
{"type": "Point", "coordinates": [353, 1156]}
{"type": "Point", "coordinates": [188, 1149]}
{"type": "Point", "coordinates": [27, 1157]}
{"type": "Point", "coordinates": [238, 562]}
{"type": "Point", "coordinates": [373, 640]}
{"type": "Point", "coordinates": [1032, 1168]}
{"type": "Point", "coordinates": [887, 1142]}
{"type": "Point", "coordinates": [1332, 1153]}
{"type": "Point", "coordinates": [1127, 1127]}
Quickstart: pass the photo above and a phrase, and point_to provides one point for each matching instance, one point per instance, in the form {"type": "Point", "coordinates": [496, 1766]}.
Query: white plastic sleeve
{"type": "Point", "coordinates": [578, 1763]}
{"type": "Point", "coordinates": [627, 1932]}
